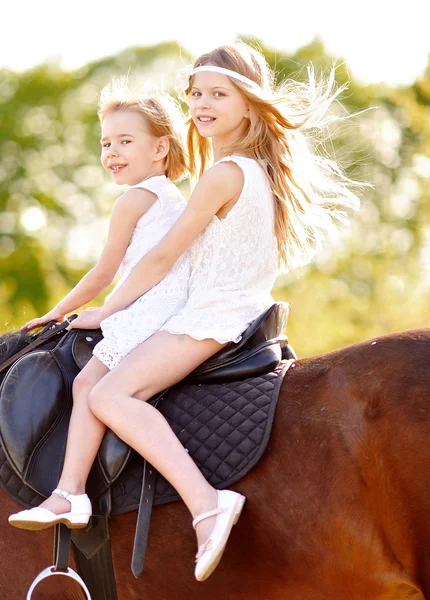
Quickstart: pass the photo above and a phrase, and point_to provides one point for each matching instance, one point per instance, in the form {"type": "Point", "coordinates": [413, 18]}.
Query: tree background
{"type": "Point", "coordinates": [55, 198]}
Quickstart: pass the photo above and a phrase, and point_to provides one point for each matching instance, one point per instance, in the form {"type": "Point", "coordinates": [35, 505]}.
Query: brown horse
{"type": "Point", "coordinates": [338, 507]}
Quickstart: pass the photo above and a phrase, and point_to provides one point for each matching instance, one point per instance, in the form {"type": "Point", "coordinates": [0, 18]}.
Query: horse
{"type": "Point", "coordinates": [338, 507]}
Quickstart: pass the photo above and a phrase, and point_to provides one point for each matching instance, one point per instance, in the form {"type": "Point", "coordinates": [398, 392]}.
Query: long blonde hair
{"type": "Point", "coordinates": [162, 116]}
{"type": "Point", "coordinates": [310, 191]}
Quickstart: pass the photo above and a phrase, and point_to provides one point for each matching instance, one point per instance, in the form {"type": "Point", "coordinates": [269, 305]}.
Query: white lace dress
{"type": "Point", "coordinates": [234, 265]}
{"type": "Point", "coordinates": [126, 329]}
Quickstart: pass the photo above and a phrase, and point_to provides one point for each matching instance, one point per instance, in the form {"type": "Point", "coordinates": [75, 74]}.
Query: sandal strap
{"type": "Point", "coordinates": [206, 515]}
{"type": "Point", "coordinates": [61, 493]}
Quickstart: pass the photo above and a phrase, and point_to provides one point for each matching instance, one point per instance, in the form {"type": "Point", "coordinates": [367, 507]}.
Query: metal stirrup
{"type": "Point", "coordinates": [49, 571]}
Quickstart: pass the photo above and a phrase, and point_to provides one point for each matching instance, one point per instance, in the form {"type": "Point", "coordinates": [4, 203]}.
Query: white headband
{"type": "Point", "coordinates": [229, 73]}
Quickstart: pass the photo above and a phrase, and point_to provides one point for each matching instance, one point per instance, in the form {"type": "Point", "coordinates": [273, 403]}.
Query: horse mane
{"type": "Point", "coordinates": [12, 342]}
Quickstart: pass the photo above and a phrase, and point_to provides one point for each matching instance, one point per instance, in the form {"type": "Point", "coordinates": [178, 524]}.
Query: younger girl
{"type": "Point", "coordinates": [265, 201]}
{"type": "Point", "coordinates": [142, 147]}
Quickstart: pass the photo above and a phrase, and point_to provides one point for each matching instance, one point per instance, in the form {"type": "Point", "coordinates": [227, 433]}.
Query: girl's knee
{"type": "Point", "coordinates": [101, 399]}
{"type": "Point", "coordinates": [95, 398]}
{"type": "Point", "coordinates": [81, 387]}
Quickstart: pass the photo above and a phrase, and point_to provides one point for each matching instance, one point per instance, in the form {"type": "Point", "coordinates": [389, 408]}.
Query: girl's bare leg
{"type": "Point", "coordinates": [84, 438]}
{"type": "Point", "coordinates": [161, 361]}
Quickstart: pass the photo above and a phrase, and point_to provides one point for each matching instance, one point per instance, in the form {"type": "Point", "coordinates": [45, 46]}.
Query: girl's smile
{"type": "Point", "coordinates": [203, 120]}
{"type": "Point", "coordinates": [115, 168]}
{"type": "Point", "coordinates": [129, 152]}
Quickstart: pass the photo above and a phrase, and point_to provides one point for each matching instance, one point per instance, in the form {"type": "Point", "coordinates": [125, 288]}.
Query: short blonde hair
{"type": "Point", "coordinates": [162, 116]}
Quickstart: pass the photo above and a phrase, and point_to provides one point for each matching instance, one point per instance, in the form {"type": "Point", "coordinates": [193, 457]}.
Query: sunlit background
{"type": "Point", "coordinates": [380, 39]}
{"type": "Point", "coordinates": [55, 199]}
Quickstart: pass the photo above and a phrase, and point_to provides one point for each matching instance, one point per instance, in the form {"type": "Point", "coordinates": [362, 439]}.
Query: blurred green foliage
{"type": "Point", "coordinates": [55, 199]}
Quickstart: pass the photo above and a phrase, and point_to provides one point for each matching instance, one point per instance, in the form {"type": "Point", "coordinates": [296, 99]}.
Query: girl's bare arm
{"type": "Point", "coordinates": [126, 211]}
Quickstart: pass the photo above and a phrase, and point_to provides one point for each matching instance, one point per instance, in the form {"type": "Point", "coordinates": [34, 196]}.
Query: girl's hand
{"type": "Point", "coordinates": [52, 315]}
{"type": "Point", "coordinates": [87, 319]}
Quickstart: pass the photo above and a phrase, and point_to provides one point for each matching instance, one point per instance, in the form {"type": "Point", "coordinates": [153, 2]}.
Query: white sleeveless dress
{"type": "Point", "coordinates": [234, 263]}
{"type": "Point", "coordinates": [126, 329]}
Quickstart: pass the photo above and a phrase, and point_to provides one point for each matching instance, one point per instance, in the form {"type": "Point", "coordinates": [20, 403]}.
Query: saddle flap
{"type": "Point", "coordinates": [112, 458]}
{"type": "Point", "coordinates": [32, 403]}
{"type": "Point", "coordinates": [113, 455]}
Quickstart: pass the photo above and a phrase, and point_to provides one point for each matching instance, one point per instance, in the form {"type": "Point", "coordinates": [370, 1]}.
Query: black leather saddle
{"type": "Point", "coordinates": [33, 432]}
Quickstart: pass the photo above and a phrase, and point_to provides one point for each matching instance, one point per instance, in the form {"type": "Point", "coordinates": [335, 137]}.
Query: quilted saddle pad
{"type": "Point", "coordinates": [224, 427]}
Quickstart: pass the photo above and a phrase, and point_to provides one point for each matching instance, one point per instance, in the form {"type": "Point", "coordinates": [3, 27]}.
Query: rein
{"type": "Point", "coordinates": [50, 330]}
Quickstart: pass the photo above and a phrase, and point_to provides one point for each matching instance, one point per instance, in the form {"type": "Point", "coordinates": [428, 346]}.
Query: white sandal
{"type": "Point", "coordinates": [41, 518]}
{"type": "Point", "coordinates": [227, 513]}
